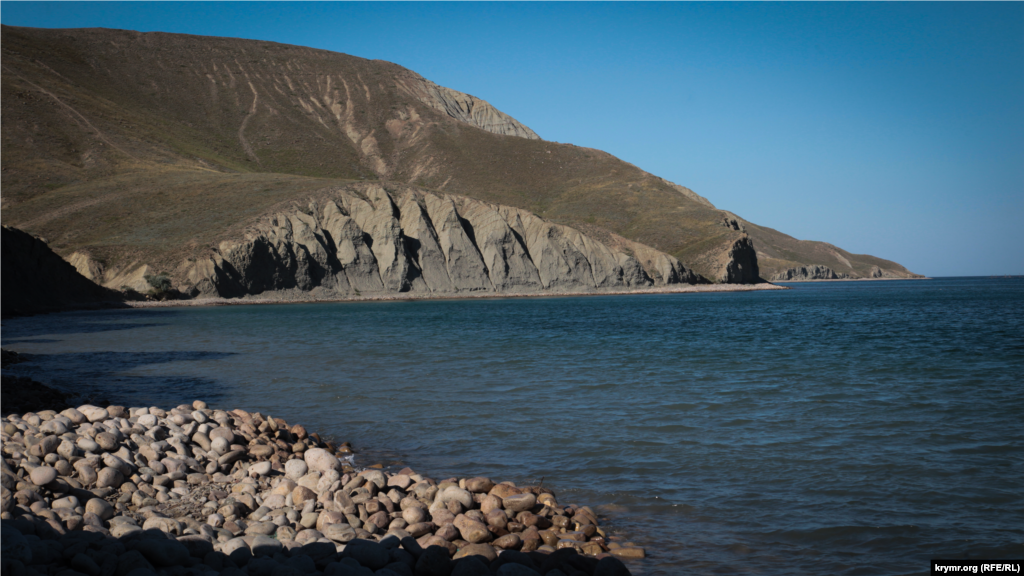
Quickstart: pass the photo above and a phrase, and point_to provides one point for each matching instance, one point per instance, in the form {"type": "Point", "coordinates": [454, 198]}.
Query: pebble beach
{"type": "Point", "coordinates": [194, 490]}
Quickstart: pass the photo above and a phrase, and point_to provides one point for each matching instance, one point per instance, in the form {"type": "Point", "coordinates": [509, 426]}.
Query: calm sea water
{"type": "Point", "coordinates": [836, 428]}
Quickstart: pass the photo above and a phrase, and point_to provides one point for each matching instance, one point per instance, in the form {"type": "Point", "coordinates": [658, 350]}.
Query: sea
{"type": "Point", "coordinates": [839, 428]}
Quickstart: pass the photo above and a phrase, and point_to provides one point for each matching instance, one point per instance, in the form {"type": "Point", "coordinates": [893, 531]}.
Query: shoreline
{"type": "Point", "coordinates": [848, 280]}
{"type": "Point", "coordinates": [308, 298]}
{"type": "Point", "coordinates": [217, 491]}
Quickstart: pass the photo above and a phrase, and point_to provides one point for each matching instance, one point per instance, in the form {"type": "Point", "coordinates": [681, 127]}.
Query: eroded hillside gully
{"type": "Point", "coordinates": [195, 490]}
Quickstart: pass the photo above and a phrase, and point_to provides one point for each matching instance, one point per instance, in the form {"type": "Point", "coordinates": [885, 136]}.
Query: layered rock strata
{"type": "Point", "coordinates": [369, 241]}
{"type": "Point", "coordinates": [805, 273]}
{"type": "Point", "coordinates": [195, 490]}
{"type": "Point", "coordinates": [465, 108]}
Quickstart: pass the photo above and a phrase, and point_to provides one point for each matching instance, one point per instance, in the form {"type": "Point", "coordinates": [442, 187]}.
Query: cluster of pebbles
{"type": "Point", "coordinates": [140, 491]}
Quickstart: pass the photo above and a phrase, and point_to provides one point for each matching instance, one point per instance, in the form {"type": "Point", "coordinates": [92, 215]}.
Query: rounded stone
{"type": "Point", "coordinates": [168, 525]}
{"type": "Point", "coordinates": [109, 478]}
{"type": "Point", "coordinates": [301, 494]}
{"type": "Point", "coordinates": [504, 490]}
{"type": "Point", "coordinates": [321, 460]}
{"type": "Point", "coordinates": [519, 502]}
{"type": "Point", "coordinates": [100, 507]}
{"type": "Point", "coordinates": [275, 501]}
{"type": "Point", "coordinates": [88, 444]}
{"type": "Point", "coordinates": [295, 468]}
{"type": "Point", "coordinates": [456, 494]}
{"type": "Point", "coordinates": [264, 528]}
{"type": "Point", "coordinates": [68, 502]}
{"type": "Point", "coordinates": [479, 485]}
{"type": "Point", "coordinates": [43, 475]}
{"type": "Point", "coordinates": [75, 416]}
{"type": "Point", "coordinates": [220, 445]}
{"type": "Point", "coordinates": [497, 518]}
{"type": "Point", "coordinates": [484, 550]}
{"type": "Point", "coordinates": [96, 414]}
{"type": "Point", "coordinates": [86, 473]}
{"type": "Point", "coordinates": [260, 469]}
{"type": "Point", "coordinates": [414, 515]}
{"type": "Point", "coordinates": [261, 451]}
{"type": "Point", "coordinates": [472, 531]}
{"type": "Point", "coordinates": [265, 545]}
{"type": "Point", "coordinates": [400, 481]}
{"type": "Point", "coordinates": [631, 553]}
{"type": "Point", "coordinates": [340, 533]}
{"type": "Point", "coordinates": [231, 457]}
{"type": "Point", "coordinates": [106, 441]}
{"type": "Point", "coordinates": [222, 432]}
{"type": "Point", "coordinates": [284, 487]}
{"type": "Point", "coordinates": [421, 529]}
{"type": "Point", "coordinates": [489, 503]}
{"type": "Point", "coordinates": [509, 542]}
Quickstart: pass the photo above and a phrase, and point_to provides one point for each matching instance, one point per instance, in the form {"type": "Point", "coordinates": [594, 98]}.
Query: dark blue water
{"type": "Point", "coordinates": [836, 428]}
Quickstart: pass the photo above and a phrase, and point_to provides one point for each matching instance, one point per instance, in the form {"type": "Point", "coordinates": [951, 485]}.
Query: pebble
{"type": "Point", "coordinates": [519, 502]}
{"type": "Point", "coordinates": [319, 459]}
{"type": "Point", "coordinates": [109, 477]}
{"type": "Point", "coordinates": [43, 475]}
{"type": "Point", "coordinates": [295, 469]}
{"type": "Point", "coordinates": [231, 488]}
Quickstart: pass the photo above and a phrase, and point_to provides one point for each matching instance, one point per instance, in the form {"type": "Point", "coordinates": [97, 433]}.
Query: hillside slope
{"type": "Point", "coordinates": [104, 129]}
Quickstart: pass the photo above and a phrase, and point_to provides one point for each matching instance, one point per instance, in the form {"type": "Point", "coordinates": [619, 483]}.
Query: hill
{"type": "Point", "coordinates": [143, 152]}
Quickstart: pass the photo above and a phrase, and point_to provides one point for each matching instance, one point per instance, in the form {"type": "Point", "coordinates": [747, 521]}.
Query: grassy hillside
{"type": "Point", "coordinates": [133, 146]}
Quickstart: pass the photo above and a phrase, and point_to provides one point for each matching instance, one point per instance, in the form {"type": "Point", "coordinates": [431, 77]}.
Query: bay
{"type": "Point", "coordinates": [842, 427]}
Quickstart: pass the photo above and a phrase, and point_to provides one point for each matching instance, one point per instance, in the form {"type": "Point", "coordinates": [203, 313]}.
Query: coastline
{"type": "Point", "coordinates": [298, 297]}
{"type": "Point", "coordinates": [848, 280]}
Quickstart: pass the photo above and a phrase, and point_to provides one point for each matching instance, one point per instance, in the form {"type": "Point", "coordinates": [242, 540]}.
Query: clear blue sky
{"type": "Point", "coordinates": [889, 129]}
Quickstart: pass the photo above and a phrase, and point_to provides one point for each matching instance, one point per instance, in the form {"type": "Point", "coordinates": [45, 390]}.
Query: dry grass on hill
{"type": "Point", "coordinates": [138, 144]}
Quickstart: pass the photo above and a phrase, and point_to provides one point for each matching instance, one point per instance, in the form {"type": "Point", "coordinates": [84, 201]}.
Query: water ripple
{"type": "Point", "coordinates": [845, 428]}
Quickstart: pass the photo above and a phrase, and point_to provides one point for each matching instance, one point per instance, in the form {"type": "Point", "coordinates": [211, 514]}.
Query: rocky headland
{"type": "Point", "coordinates": [818, 273]}
{"type": "Point", "coordinates": [195, 490]}
{"type": "Point", "coordinates": [806, 273]}
{"type": "Point", "coordinates": [36, 280]}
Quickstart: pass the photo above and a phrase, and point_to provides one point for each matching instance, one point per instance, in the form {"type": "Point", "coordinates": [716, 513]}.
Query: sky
{"type": "Point", "coordinates": [891, 129]}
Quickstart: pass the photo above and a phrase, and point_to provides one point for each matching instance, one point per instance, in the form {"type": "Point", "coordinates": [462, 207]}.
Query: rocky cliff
{"type": "Point", "coordinates": [805, 273]}
{"type": "Point", "coordinates": [366, 239]}
{"type": "Point", "coordinates": [465, 108]}
{"type": "Point", "coordinates": [35, 279]}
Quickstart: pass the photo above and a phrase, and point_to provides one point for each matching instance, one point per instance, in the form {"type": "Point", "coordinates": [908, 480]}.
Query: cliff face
{"type": "Point", "coordinates": [466, 108]}
{"type": "Point", "coordinates": [35, 279]}
{"type": "Point", "coordinates": [366, 240]}
{"type": "Point", "coordinates": [741, 263]}
{"type": "Point", "coordinates": [804, 273]}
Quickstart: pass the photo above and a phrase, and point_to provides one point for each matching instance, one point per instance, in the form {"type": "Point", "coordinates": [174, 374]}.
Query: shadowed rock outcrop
{"type": "Point", "coordinates": [367, 240]}
{"type": "Point", "coordinates": [35, 279]}
{"type": "Point", "coordinates": [741, 263]}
